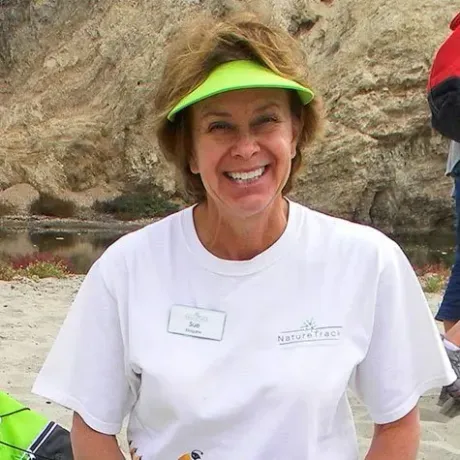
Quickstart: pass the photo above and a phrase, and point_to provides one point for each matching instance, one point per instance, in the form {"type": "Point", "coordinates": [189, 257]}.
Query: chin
{"type": "Point", "coordinates": [249, 206]}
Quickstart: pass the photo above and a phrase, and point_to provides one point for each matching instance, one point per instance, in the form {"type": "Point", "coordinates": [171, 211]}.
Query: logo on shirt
{"type": "Point", "coordinates": [309, 332]}
{"type": "Point", "coordinates": [194, 455]}
{"type": "Point", "coordinates": [197, 316]}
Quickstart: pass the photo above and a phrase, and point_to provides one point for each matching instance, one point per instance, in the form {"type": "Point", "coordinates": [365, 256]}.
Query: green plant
{"type": "Point", "coordinates": [24, 261]}
{"type": "Point", "coordinates": [6, 271]}
{"type": "Point", "coordinates": [36, 265]}
{"type": "Point", "coordinates": [433, 282]}
{"type": "Point", "coordinates": [52, 206]}
{"type": "Point", "coordinates": [44, 270]}
{"type": "Point", "coordinates": [137, 205]}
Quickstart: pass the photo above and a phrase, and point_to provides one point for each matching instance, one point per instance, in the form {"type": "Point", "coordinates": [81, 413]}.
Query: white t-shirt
{"type": "Point", "coordinates": [331, 304]}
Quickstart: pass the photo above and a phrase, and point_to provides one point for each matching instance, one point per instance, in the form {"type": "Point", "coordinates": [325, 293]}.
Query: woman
{"type": "Point", "coordinates": [233, 328]}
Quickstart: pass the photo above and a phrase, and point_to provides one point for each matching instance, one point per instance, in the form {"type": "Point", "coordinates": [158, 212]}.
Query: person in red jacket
{"type": "Point", "coordinates": [444, 85]}
{"type": "Point", "coordinates": [444, 103]}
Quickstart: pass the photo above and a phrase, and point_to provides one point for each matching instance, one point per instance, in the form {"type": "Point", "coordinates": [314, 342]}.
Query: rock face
{"type": "Point", "coordinates": [380, 163]}
{"type": "Point", "coordinates": [77, 81]}
{"type": "Point", "coordinates": [19, 198]}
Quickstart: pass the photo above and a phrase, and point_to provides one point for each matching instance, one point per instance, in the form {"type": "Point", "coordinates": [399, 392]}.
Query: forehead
{"type": "Point", "coordinates": [243, 99]}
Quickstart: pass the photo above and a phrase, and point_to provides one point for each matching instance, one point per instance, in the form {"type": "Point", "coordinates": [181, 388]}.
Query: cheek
{"type": "Point", "coordinates": [282, 147]}
{"type": "Point", "coordinates": [207, 159]}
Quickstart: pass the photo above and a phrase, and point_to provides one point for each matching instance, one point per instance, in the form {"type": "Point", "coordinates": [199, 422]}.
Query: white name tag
{"type": "Point", "coordinates": [197, 322]}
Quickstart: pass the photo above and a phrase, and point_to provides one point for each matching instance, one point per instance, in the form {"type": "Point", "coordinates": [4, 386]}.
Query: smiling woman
{"type": "Point", "coordinates": [231, 56]}
{"type": "Point", "coordinates": [233, 328]}
{"type": "Point", "coordinates": [243, 148]}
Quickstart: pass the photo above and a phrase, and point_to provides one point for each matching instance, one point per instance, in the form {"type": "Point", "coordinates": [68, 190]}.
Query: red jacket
{"type": "Point", "coordinates": [444, 85]}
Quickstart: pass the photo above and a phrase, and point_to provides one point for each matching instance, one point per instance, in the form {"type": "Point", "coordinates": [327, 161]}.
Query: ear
{"type": "Point", "coordinates": [188, 120]}
{"type": "Point", "coordinates": [297, 126]}
{"type": "Point", "coordinates": [193, 164]}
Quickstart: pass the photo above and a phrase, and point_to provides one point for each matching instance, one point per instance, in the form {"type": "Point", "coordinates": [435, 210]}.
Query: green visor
{"type": "Point", "coordinates": [239, 75]}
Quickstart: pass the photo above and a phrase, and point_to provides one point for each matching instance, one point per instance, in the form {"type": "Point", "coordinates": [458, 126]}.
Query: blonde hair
{"type": "Point", "coordinates": [201, 45]}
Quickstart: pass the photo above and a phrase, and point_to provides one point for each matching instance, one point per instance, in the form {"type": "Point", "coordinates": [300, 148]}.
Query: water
{"type": "Point", "coordinates": [436, 249]}
{"type": "Point", "coordinates": [80, 248]}
{"type": "Point", "coordinates": [83, 247]}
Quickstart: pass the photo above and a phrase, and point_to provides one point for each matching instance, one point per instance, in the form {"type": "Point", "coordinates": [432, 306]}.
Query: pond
{"type": "Point", "coordinates": [83, 247]}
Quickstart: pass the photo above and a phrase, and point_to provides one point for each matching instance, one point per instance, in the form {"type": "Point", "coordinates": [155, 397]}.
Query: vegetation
{"type": "Point", "coordinates": [6, 271]}
{"type": "Point", "coordinates": [433, 277]}
{"type": "Point", "coordinates": [433, 283]}
{"type": "Point", "coordinates": [137, 205]}
{"type": "Point", "coordinates": [52, 206]}
{"type": "Point", "coordinates": [44, 270]}
{"type": "Point", "coordinates": [37, 265]}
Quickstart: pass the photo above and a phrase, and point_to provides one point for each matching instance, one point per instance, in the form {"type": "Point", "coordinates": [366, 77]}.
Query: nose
{"type": "Point", "coordinates": [245, 146]}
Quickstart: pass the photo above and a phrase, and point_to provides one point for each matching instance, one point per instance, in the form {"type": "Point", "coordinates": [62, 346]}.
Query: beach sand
{"type": "Point", "coordinates": [31, 313]}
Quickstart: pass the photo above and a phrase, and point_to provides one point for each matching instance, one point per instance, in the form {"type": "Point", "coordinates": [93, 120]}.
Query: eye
{"type": "Point", "coordinates": [266, 119]}
{"type": "Point", "coordinates": [219, 126]}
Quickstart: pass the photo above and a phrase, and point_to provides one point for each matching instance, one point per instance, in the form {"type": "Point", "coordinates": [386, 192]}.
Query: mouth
{"type": "Point", "coordinates": [246, 177]}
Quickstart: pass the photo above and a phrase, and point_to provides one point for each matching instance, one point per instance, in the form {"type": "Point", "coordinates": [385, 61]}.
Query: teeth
{"type": "Point", "coordinates": [247, 175]}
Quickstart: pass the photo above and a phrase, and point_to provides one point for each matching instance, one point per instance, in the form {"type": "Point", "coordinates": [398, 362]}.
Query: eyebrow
{"type": "Point", "coordinates": [213, 113]}
{"type": "Point", "coordinates": [217, 113]}
{"type": "Point", "coordinates": [269, 105]}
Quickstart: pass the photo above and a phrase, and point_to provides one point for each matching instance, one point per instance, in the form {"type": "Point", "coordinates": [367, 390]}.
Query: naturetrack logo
{"type": "Point", "coordinates": [309, 332]}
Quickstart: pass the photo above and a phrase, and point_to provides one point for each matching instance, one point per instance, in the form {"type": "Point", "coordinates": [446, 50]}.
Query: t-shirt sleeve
{"type": "Point", "coordinates": [405, 357]}
{"type": "Point", "coordinates": [86, 369]}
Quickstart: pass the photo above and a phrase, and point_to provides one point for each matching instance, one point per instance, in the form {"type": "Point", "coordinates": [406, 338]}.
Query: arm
{"type": "Point", "coordinates": [92, 335]}
{"type": "Point", "coordinates": [398, 440]}
{"type": "Point", "coordinates": [405, 359]}
{"type": "Point", "coordinates": [88, 444]}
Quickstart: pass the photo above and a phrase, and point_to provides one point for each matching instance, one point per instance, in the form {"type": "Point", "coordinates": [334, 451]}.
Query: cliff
{"type": "Point", "coordinates": [77, 79]}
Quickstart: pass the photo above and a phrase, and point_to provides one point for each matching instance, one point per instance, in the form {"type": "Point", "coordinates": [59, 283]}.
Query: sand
{"type": "Point", "coordinates": [31, 313]}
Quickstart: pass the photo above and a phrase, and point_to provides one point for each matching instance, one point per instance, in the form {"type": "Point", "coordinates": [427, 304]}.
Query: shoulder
{"type": "Point", "coordinates": [320, 224]}
{"type": "Point", "coordinates": [342, 237]}
{"type": "Point", "coordinates": [134, 248]}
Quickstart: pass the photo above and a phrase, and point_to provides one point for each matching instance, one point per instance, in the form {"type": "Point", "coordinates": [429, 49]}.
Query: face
{"type": "Point", "coordinates": [243, 144]}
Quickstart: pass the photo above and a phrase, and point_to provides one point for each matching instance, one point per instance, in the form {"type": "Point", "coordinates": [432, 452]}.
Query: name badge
{"type": "Point", "coordinates": [197, 322]}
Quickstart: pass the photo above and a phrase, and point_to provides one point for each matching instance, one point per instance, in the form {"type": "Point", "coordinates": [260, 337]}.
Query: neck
{"type": "Point", "coordinates": [240, 239]}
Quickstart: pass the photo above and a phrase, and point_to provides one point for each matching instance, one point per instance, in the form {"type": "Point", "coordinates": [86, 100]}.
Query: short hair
{"type": "Point", "coordinates": [206, 42]}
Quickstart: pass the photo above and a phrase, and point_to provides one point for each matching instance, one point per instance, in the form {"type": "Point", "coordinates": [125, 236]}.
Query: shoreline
{"type": "Point", "coordinates": [19, 223]}
{"type": "Point", "coordinates": [105, 222]}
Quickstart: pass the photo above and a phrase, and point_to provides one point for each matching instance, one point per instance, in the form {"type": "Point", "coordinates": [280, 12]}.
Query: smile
{"type": "Point", "coordinates": [247, 176]}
